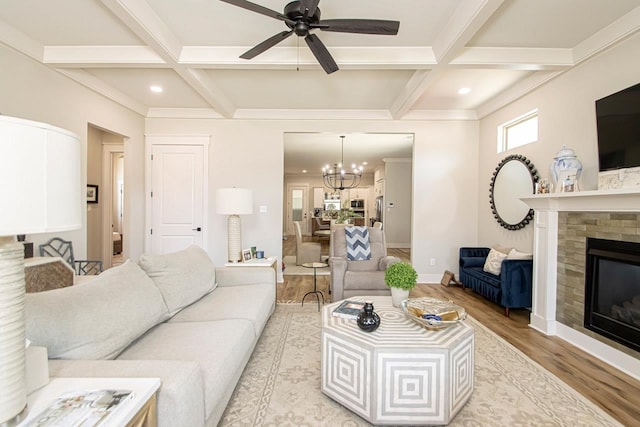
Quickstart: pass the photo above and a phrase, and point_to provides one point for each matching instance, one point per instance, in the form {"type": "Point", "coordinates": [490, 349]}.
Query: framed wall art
{"type": "Point", "coordinates": [92, 193]}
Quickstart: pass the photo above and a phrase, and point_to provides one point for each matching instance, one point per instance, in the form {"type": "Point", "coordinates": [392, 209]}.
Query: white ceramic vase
{"type": "Point", "coordinates": [398, 295]}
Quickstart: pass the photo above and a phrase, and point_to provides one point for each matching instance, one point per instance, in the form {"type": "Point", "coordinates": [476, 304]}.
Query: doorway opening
{"type": "Point", "coordinates": [106, 220]}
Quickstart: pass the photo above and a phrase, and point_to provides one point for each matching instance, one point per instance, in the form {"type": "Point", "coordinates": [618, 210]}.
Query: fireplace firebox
{"type": "Point", "coordinates": [612, 290]}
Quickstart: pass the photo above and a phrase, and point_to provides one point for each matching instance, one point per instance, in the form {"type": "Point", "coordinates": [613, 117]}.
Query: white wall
{"type": "Point", "coordinates": [30, 90]}
{"type": "Point", "coordinates": [566, 108]}
{"type": "Point", "coordinates": [247, 153]}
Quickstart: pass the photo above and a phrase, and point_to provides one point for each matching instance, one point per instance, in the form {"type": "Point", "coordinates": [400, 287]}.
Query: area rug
{"type": "Point", "coordinates": [281, 384]}
{"type": "Point", "coordinates": [291, 269]}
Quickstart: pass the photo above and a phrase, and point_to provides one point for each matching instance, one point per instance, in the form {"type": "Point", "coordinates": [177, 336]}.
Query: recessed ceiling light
{"type": "Point", "coordinates": [304, 171]}
{"type": "Point", "coordinates": [156, 89]}
{"type": "Point", "coordinates": [365, 163]}
{"type": "Point", "coordinates": [464, 90]}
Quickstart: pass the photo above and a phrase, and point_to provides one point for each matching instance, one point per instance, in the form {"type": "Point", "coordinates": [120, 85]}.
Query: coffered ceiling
{"type": "Point", "coordinates": [499, 49]}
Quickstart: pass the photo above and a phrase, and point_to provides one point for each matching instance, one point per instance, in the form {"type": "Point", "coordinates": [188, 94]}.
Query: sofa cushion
{"type": "Point", "coordinates": [221, 349]}
{"type": "Point", "coordinates": [98, 319]}
{"type": "Point", "coordinates": [251, 302]}
{"type": "Point", "coordinates": [493, 263]}
{"type": "Point", "coordinates": [180, 397]}
{"type": "Point", "coordinates": [514, 254]}
{"type": "Point", "coordinates": [182, 277]}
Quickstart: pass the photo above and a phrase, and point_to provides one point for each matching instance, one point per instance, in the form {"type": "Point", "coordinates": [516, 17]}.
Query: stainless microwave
{"type": "Point", "coordinates": [357, 204]}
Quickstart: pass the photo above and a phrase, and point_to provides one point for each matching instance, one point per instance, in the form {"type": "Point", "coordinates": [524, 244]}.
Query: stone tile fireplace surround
{"type": "Point", "coordinates": [562, 223]}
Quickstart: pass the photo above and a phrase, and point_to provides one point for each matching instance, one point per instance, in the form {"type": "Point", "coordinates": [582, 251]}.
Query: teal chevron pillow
{"type": "Point", "coordinates": [358, 248]}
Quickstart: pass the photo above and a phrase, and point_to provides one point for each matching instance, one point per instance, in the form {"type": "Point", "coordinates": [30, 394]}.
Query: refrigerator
{"type": "Point", "coordinates": [379, 208]}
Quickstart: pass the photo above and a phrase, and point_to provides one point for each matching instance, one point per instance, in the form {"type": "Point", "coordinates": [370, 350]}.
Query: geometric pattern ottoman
{"type": "Point", "coordinates": [400, 374]}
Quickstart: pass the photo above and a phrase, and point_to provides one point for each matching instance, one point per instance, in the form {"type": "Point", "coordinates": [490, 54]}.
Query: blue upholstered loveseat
{"type": "Point", "coordinates": [511, 289]}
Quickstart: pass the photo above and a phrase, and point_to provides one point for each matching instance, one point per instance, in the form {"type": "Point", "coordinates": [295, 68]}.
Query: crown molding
{"type": "Point", "coordinates": [103, 89]}
{"type": "Point", "coordinates": [514, 58]}
{"type": "Point", "coordinates": [183, 113]}
{"type": "Point", "coordinates": [436, 115]}
{"type": "Point", "coordinates": [20, 42]}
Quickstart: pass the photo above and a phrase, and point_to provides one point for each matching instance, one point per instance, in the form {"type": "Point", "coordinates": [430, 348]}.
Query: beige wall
{"type": "Point", "coordinates": [566, 116]}
{"type": "Point", "coordinates": [249, 153]}
{"type": "Point", "coordinates": [94, 177]}
{"type": "Point", "coordinates": [32, 91]}
{"type": "Point", "coordinates": [397, 190]}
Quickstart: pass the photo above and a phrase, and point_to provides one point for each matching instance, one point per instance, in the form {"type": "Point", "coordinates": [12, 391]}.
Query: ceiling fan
{"type": "Point", "coordinates": [302, 16]}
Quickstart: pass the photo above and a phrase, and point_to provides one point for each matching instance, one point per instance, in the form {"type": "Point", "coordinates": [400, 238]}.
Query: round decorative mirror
{"type": "Point", "coordinates": [514, 177]}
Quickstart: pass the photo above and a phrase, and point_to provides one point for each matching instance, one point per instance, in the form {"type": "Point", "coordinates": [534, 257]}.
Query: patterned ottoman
{"type": "Point", "coordinates": [400, 374]}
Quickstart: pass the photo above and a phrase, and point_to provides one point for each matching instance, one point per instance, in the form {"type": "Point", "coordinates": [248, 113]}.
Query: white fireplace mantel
{"type": "Point", "coordinates": [627, 200]}
{"type": "Point", "coordinates": [545, 264]}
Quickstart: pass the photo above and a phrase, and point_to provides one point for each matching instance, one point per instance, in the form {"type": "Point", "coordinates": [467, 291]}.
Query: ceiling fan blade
{"type": "Point", "coordinates": [360, 26]}
{"type": "Point", "coordinates": [259, 9]}
{"type": "Point", "coordinates": [321, 53]}
{"type": "Point", "coordinates": [268, 43]}
{"type": "Point", "coordinates": [312, 5]}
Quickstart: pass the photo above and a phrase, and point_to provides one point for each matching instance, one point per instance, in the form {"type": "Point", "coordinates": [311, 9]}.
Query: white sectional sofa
{"type": "Point", "coordinates": [175, 317]}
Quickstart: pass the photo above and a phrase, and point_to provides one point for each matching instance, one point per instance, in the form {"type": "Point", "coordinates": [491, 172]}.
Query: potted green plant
{"type": "Point", "coordinates": [401, 277]}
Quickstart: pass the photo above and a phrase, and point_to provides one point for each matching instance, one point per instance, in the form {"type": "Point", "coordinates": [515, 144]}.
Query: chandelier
{"type": "Point", "coordinates": [337, 178]}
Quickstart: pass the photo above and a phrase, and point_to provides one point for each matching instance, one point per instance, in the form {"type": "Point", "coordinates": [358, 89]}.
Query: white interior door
{"type": "Point", "coordinates": [178, 197]}
{"type": "Point", "coordinates": [297, 208]}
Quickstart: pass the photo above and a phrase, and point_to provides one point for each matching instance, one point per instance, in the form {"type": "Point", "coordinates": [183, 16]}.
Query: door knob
{"type": "Point", "coordinates": [197, 229]}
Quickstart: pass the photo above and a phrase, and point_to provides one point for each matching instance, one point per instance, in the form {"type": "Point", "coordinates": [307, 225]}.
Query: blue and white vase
{"type": "Point", "coordinates": [565, 160]}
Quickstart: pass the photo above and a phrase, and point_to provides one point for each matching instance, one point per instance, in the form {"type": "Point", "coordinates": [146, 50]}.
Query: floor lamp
{"type": "Point", "coordinates": [234, 202]}
{"type": "Point", "coordinates": [40, 192]}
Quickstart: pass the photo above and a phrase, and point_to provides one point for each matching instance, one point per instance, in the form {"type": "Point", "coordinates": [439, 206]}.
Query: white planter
{"type": "Point", "coordinates": [398, 295]}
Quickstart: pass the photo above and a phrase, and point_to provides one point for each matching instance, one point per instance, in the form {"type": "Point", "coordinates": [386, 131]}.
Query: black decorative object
{"type": "Point", "coordinates": [498, 211]}
{"type": "Point", "coordinates": [368, 320]}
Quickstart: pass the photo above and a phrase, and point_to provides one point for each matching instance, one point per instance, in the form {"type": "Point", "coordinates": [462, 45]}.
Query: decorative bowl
{"type": "Point", "coordinates": [433, 313]}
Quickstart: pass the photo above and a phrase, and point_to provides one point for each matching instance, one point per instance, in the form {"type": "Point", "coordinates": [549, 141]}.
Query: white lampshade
{"type": "Point", "coordinates": [40, 192]}
{"type": "Point", "coordinates": [40, 184]}
{"type": "Point", "coordinates": [234, 201]}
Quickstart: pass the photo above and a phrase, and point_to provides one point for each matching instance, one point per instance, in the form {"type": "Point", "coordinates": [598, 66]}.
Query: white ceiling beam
{"type": "Point", "coordinates": [104, 89]}
{"type": "Point", "coordinates": [468, 18]}
{"type": "Point", "coordinates": [353, 58]}
{"type": "Point", "coordinates": [102, 56]}
{"type": "Point", "coordinates": [145, 23]}
{"type": "Point", "coordinates": [514, 58]}
{"type": "Point", "coordinates": [19, 41]}
{"type": "Point", "coordinates": [311, 114]}
{"type": "Point", "coordinates": [183, 113]}
{"type": "Point", "coordinates": [616, 31]}
{"type": "Point", "coordinates": [200, 81]}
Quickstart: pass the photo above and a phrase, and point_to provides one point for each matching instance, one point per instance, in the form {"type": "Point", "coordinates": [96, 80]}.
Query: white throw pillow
{"type": "Point", "coordinates": [96, 320]}
{"type": "Point", "coordinates": [493, 263]}
{"type": "Point", "coordinates": [514, 254]}
{"type": "Point", "coordinates": [183, 277]}
{"type": "Point", "coordinates": [504, 249]}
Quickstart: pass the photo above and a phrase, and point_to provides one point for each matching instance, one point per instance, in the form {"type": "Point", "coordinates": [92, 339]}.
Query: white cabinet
{"type": "Point", "coordinates": [318, 197]}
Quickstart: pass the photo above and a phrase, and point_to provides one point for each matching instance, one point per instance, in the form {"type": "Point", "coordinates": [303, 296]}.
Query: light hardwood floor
{"type": "Point", "coordinates": [615, 392]}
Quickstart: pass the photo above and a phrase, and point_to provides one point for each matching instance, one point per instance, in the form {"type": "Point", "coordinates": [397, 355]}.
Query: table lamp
{"type": "Point", "coordinates": [234, 202]}
{"type": "Point", "coordinates": [40, 192]}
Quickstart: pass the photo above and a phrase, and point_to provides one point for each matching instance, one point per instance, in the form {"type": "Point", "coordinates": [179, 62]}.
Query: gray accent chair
{"type": "Point", "coordinates": [57, 247]}
{"type": "Point", "coordinates": [305, 251]}
{"type": "Point", "coordinates": [355, 278]}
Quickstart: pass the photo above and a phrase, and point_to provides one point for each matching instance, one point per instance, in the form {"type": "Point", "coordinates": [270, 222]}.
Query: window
{"type": "Point", "coordinates": [519, 131]}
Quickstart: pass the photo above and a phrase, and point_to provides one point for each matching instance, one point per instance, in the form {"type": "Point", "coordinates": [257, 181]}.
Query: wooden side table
{"type": "Point", "coordinates": [140, 411]}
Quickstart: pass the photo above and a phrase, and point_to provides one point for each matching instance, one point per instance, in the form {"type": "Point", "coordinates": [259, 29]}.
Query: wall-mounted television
{"type": "Point", "coordinates": [618, 121]}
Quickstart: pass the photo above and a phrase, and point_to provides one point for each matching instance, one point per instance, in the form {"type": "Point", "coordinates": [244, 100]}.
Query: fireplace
{"type": "Point", "coordinates": [612, 290]}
